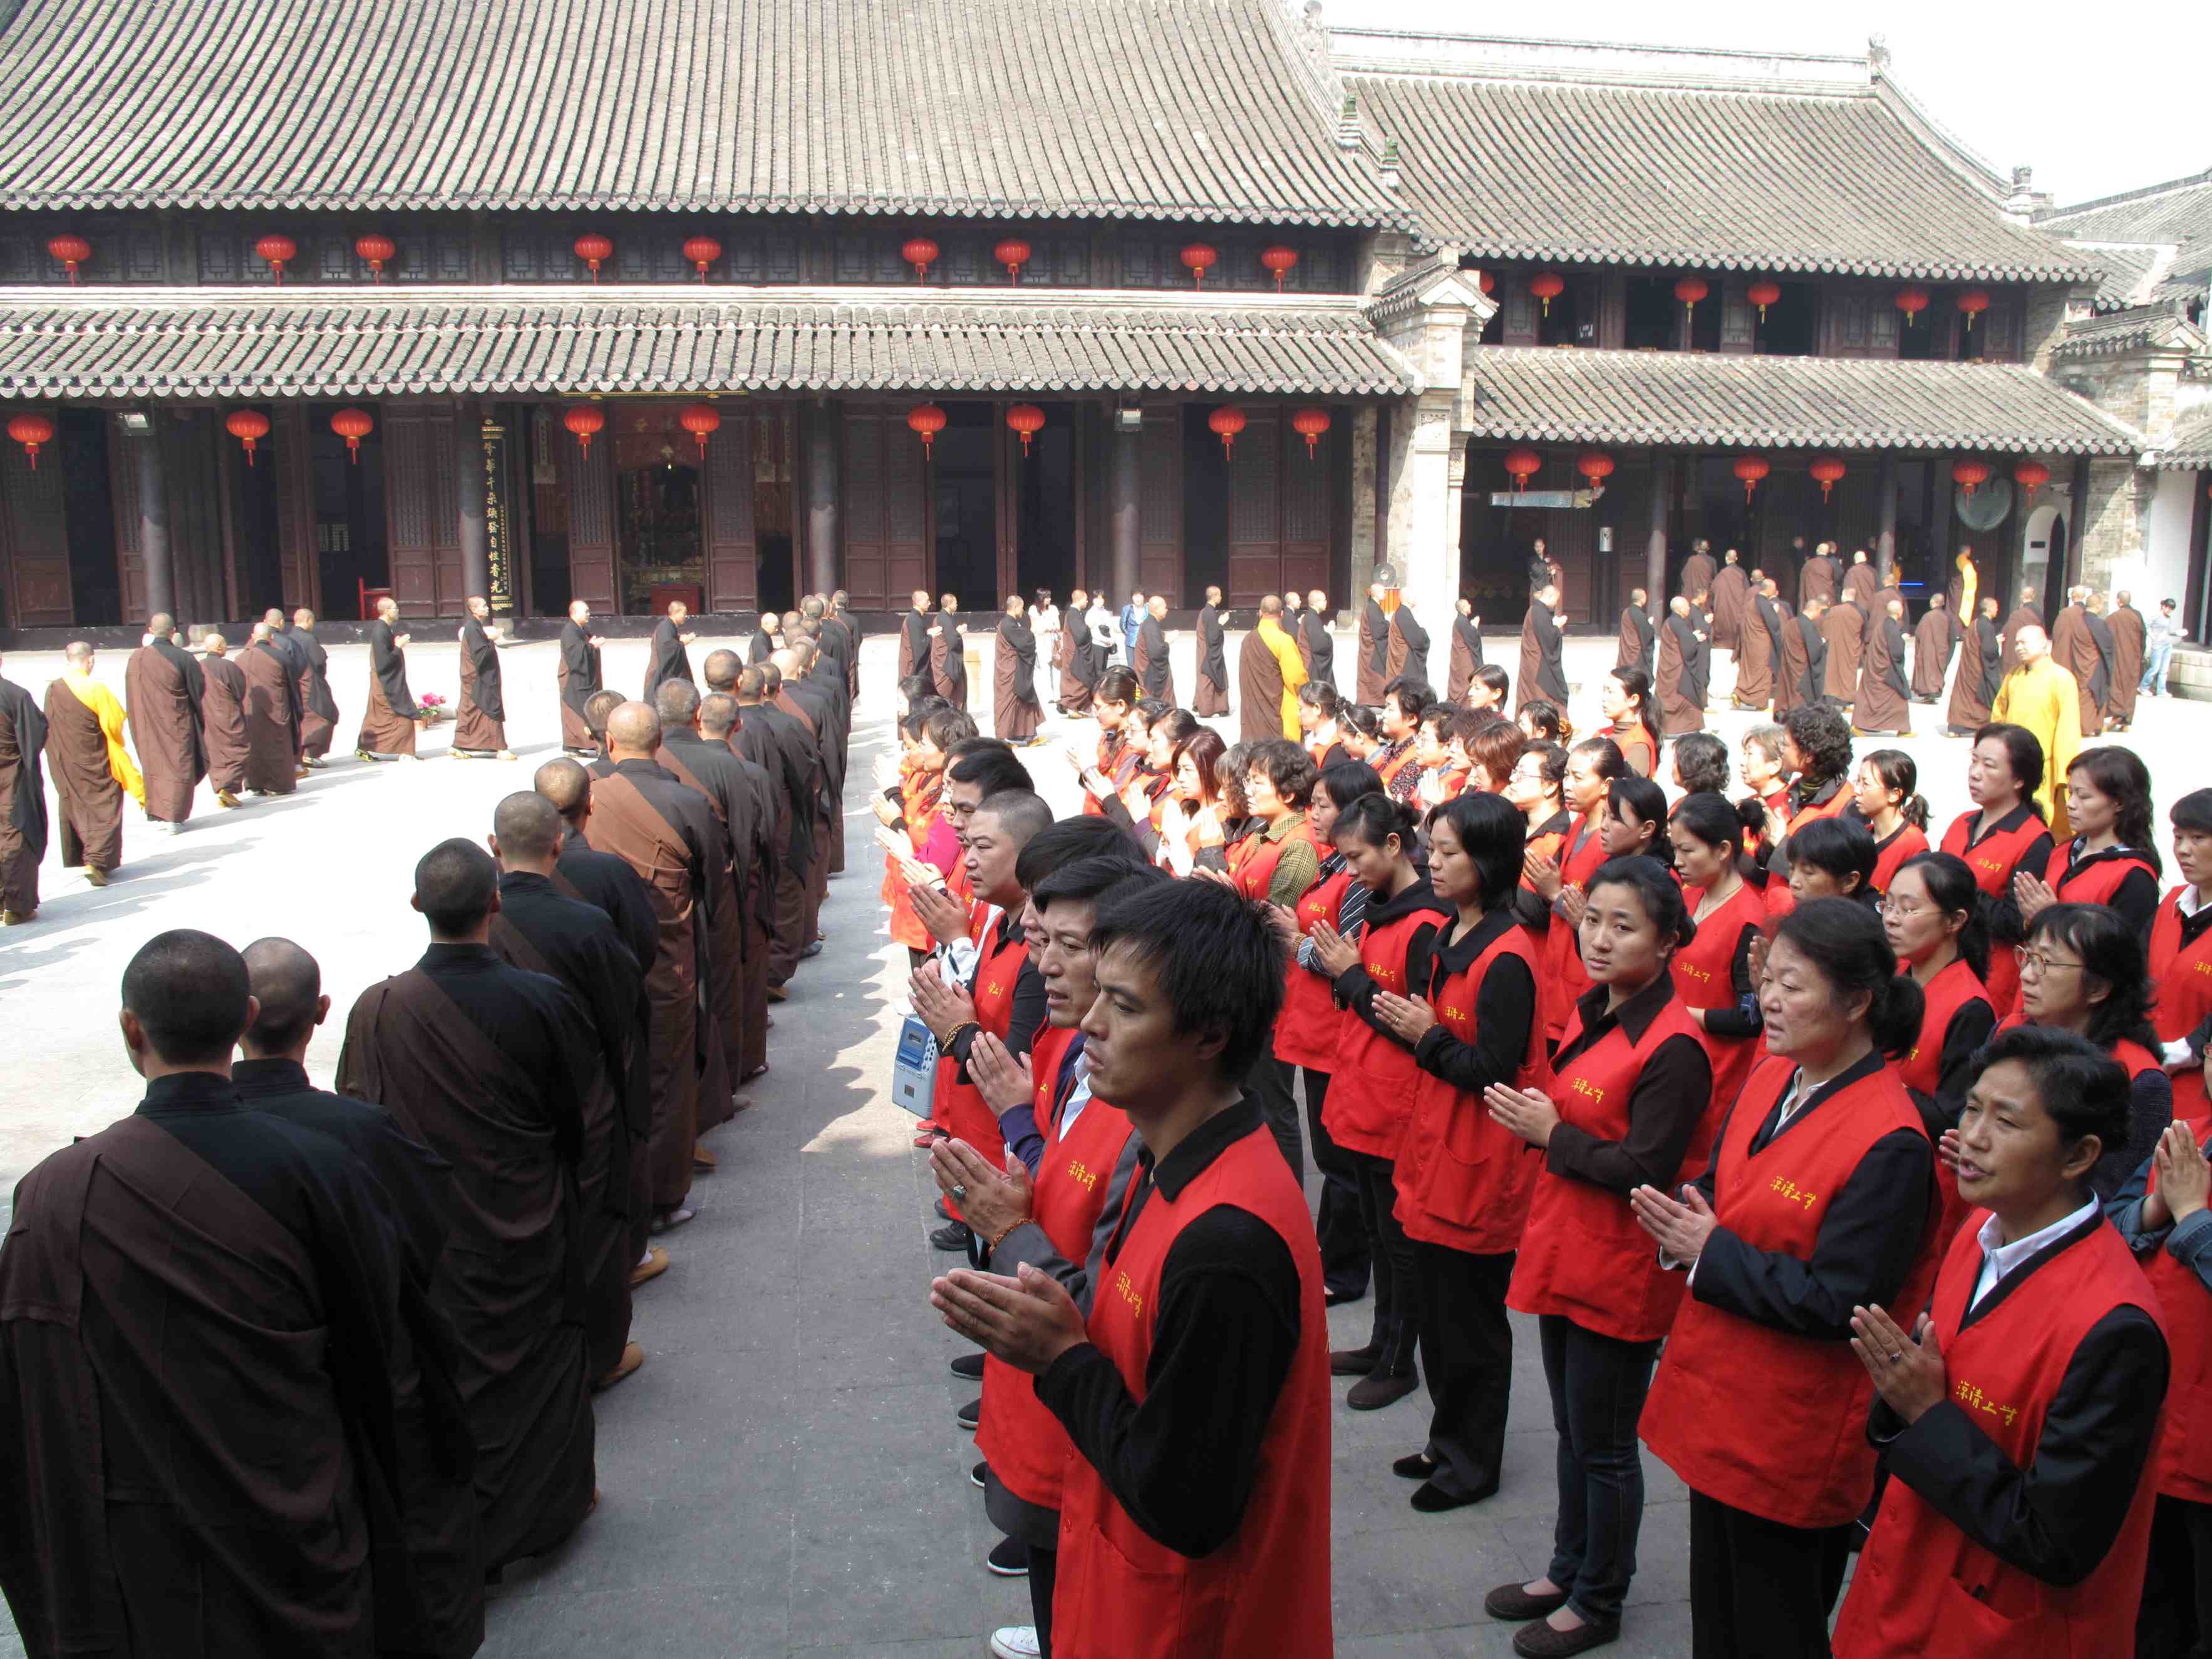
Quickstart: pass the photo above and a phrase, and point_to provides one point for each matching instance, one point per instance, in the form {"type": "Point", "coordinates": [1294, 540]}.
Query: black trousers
{"type": "Point", "coordinates": [1267, 1085]}
{"type": "Point", "coordinates": [1467, 1352]}
{"type": "Point", "coordinates": [1044, 1571]}
{"type": "Point", "coordinates": [1343, 1236]}
{"type": "Point", "coordinates": [1597, 1384]}
{"type": "Point", "coordinates": [1759, 1589]}
{"type": "Point", "coordinates": [1397, 1326]}
{"type": "Point", "coordinates": [2176, 1620]}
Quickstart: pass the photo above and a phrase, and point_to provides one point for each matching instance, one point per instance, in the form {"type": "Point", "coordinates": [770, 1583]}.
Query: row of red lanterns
{"type": "Point", "coordinates": [926, 420]}
{"type": "Point", "coordinates": [1969, 474]}
{"type": "Point", "coordinates": [1548, 285]}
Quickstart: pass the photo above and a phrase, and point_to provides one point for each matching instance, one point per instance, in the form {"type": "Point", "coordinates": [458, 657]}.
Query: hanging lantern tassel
{"type": "Point", "coordinates": [1310, 424]}
{"type": "Point", "coordinates": [353, 425]}
{"type": "Point", "coordinates": [249, 427]}
{"type": "Point", "coordinates": [1750, 469]}
{"type": "Point", "coordinates": [30, 431]}
{"type": "Point", "coordinates": [699, 420]}
{"type": "Point", "coordinates": [1974, 301]}
{"type": "Point", "coordinates": [1028, 420]}
{"type": "Point", "coordinates": [1226, 422]}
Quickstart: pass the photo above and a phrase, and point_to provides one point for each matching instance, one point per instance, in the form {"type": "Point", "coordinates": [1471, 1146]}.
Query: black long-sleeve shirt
{"type": "Point", "coordinates": [1355, 988]}
{"type": "Point", "coordinates": [1970, 1028]}
{"type": "Point", "coordinates": [2056, 1519]}
{"type": "Point", "coordinates": [1183, 1461]}
{"type": "Point", "coordinates": [1672, 1093]}
{"type": "Point", "coordinates": [606, 881]}
{"type": "Point", "coordinates": [2136, 899]}
{"type": "Point", "coordinates": [1869, 1240]}
{"type": "Point", "coordinates": [1504, 1010]}
{"type": "Point", "coordinates": [1741, 1018]}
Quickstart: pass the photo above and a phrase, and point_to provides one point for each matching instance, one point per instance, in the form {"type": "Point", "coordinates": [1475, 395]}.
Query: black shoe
{"type": "Point", "coordinates": [815, 949]}
{"type": "Point", "coordinates": [1009, 1559]}
{"type": "Point", "coordinates": [943, 1214]}
{"type": "Point", "coordinates": [1430, 1498]}
{"type": "Point", "coordinates": [1375, 1390]}
{"type": "Point", "coordinates": [970, 1365]}
{"type": "Point", "coordinates": [976, 1475]}
{"type": "Point", "coordinates": [1514, 1604]}
{"type": "Point", "coordinates": [971, 1414]}
{"type": "Point", "coordinates": [952, 1237]}
{"type": "Point", "coordinates": [1353, 1362]}
{"type": "Point", "coordinates": [1416, 1466]}
{"type": "Point", "coordinates": [1542, 1641]}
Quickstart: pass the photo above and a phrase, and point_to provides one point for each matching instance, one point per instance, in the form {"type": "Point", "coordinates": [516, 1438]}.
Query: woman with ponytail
{"type": "Point", "coordinates": [1321, 707]}
{"type": "Point", "coordinates": [1820, 1200]}
{"type": "Point", "coordinates": [1712, 973]}
{"type": "Point", "coordinates": [1359, 729]}
{"type": "Point", "coordinates": [2001, 839]}
{"type": "Point", "coordinates": [2111, 860]}
{"type": "Point", "coordinates": [1885, 796]}
{"type": "Point", "coordinates": [1635, 824]}
{"type": "Point", "coordinates": [1632, 719]}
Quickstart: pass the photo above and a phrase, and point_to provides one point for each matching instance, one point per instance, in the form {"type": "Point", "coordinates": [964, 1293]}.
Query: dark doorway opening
{"type": "Point", "coordinates": [260, 562]}
{"type": "Point", "coordinates": [1655, 317]}
{"type": "Point", "coordinates": [1789, 328]}
{"type": "Point", "coordinates": [1926, 338]}
{"type": "Point", "coordinates": [351, 547]}
{"type": "Point", "coordinates": [967, 519]}
{"type": "Point", "coordinates": [656, 518]}
{"type": "Point", "coordinates": [1205, 504]}
{"type": "Point", "coordinates": [776, 574]}
{"type": "Point", "coordinates": [89, 518]}
{"type": "Point", "coordinates": [1045, 532]}
{"type": "Point", "coordinates": [549, 516]}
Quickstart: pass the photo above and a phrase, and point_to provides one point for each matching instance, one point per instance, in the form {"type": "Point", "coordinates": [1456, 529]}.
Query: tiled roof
{"type": "Point", "coordinates": [2134, 329]}
{"type": "Point", "coordinates": [2191, 446]}
{"type": "Point", "coordinates": [203, 344]}
{"type": "Point", "coordinates": [2131, 272]}
{"type": "Point", "coordinates": [1206, 110]}
{"type": "Point", "coordinates": [2178, 211]}
{"type": "Point", "coordinates": [1705, 178]}
{"type": "Point", "coordinates": [1572, 396]}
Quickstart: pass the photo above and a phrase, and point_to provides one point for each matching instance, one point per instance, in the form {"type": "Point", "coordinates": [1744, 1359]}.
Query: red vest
{"type": "Point", "coordinates": [1021, 1439]}
{"type": "Point", "coordinates": [1371, 1091]}
{"type": "Point", "coordinates": [1311, 1025]}
{"type": "Point", "coordinates": [1582, 1252]}
{"type": "Point", "coordinates": [1950, 991]}
{"type": "Point", "coordinates": [1122, 1594]}
{"type": "Point", "coordinates": [1257, 871]}
{"type": "Point", "coordinates": [1703, 978]}
{"type": "Point", "coordinates": [1907, 842]}
{"type": "Point", "coordinates": [1564, 977]}
{"type": "Point", "coordinates": [1922, 1587]}
{"type": "Point", "coordinates": [1119, 759]}
{"type": "Point", "coordinates": [2185, 996]}
{"type": "Point", "coordinates": [2096, 882]}
{"type": "Point", "coordinates": [960, 1107]}
{"type": "Point", "coordinates": [1993, 859]}
{"type": "Point", "coordinates": [1463, 1179]}
{"type": "Point", "coordinates": [1756, 1418]}
{"type": "Point", "coordinates": [1634, 742]}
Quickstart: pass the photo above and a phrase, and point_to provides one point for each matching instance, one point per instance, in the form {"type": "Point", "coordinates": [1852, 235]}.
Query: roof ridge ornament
{"type": "Point", "coordinates": [1878, 53]}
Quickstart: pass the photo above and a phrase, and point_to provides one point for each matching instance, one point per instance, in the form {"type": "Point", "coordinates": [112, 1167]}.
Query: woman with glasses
{"type": "Point", "coordinates": [1932, 917]}
{"type": "Point", "coordinates": [2110, 859]}
{"type": "Point", "coordinates": [1885, 795]}
{"type": "Point", "coordinates": [1535, 787]}
{"type": "Point", "coordinates": [2001, 836]}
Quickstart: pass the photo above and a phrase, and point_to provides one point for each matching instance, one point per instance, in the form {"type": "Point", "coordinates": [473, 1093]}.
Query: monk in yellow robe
{"type": "Point", "coordinates": [1293, 663]}
{"type": "Point", "coordinates": [92, 768]}
{"type": "Point", "coordinates": [2043, 698]}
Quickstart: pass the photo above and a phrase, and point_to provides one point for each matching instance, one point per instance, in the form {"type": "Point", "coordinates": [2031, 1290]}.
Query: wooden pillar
{"type": "Point", "coordinates": [1655, 545]}
{"type": "Point", "coordinates": [154, 525]}
{"type": "Point", "coordinates": [469, 486]}
{"type": "Point", "coordinates": [2077, 526]}
{"type": "Point", "coordinates": [1124, 507]}
{"type": "Point", "coordinates": [1885, 546]}
{"type": "Point", "coordinates": [824, 563]}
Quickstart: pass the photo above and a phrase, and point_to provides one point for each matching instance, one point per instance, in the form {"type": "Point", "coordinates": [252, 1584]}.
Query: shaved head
{"type": "Point", "coordinates": [1271, 606]}
{"type": "Point", "coordinates": [1020, 814]}
{"type": "Point", "coordinates": [566, 785]}
{"type": "Point", "coordinates": [288, 982]}
{"type": "Point", "coordinates": [721, 669]}
{"type": "Point", "coordinates": [78, 652]}
{"type": "Point", "coordinates": [597, 707]}
{"type": "Point", "coordinates": [717, 714]}
{"type": "Point", "coordinates": [676, 701]}
{"type": "Point", "coordinates": [263, 631]}
{"type": "Point", "coordinates": [161, 623]}
{"type": "Point", "coordinates": [303, 618]}
{"type": "Point", "coordinates": [633, 731]}
{"type": "Point", "coordinates": [456, 888]}
{"type": "Point", "coordinates": [185, 993]}
{"type": "Point", "coordinates": [528, 828]}
{"type": "Point", "coordinates": [274, 616]}
{"type": "Point", "coordinates": [214, 644]}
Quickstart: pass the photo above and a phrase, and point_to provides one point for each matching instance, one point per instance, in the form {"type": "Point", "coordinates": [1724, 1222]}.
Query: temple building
{"type": "Point", "coordinates": [628, 301]}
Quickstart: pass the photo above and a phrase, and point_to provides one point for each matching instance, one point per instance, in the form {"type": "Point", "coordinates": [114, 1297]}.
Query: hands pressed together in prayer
{"type": "Point", "coordinates": [994, 1201]}
{"type": "Point", "coordinates": [1408, 1019]}
{"type": "Point", "coordinates": [1906, 1373]}
{"type": "Point", "coordinates": [1003, 1078]}
{"type": "Point", "coordinates": [942, 1008]}
{"type": "Point", "coordinates": [1028, 1321]}
{"type": "Point", "coordinates": [2184, 1178]}
{"type": "Point", "coordinates": [1332, 950]}
{"type": "Point", "coordinates": [945, 916]}
{"type": "Point", "coordinates": [1543, 874]}
{"type": "Point", "coordinates": [2032, 894]}
{"type": "Point", "coordinates": [1681, 1226]}
{"type": "Point", "coordinates": [1527, 1113]}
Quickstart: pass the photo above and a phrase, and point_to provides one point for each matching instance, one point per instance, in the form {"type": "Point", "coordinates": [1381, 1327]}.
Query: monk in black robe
{"type": "Point", "coordinates": [223, 721]}
{"type": "Point", "coordinates": [547, 931]}
{"type": "Point", "coordinates": [2101, 679]}
{"type": "Point", "coordinates": [1408, 652]}
{"type": "Point", "coordinates": [1639, 636]}
{"type": "Point", "coordinates": [1883, 705]}
{"type": "Point", "coordinates": [1016, 713]}
{"type": "Point", "coordinates": [1155, 672]}
{"type": "Point", "coordinates": [767, 638]}
{"type": "Point", "coordinates": [804, 718]}
{"type": "Point", "coordinates": [22, 802]}
{"type": "Point", "coordinates": [720, 999]}
{"type": "Point", "coordinates": [162, 689]}
{"type": "Point", "coordinates": [1543, 674]}
{"type": "Point", "coordinates": [1932, 639]}
{"type": "Point", "coordinates": [273, 741]}
{"type": "Point", "coordinates": [713, 760]}
{"type": "Point", "coordinates": [388, 725]}
{"type": "Point", "coordinates": [1731, 591]}
{"type": "Point", "coordinates": [319, 705]}
{"type": "Point", "coordinates": [774, 741]}
{"type": "Point", "coordinates": [1372, 670]}
{"type": "Point", "coordinates": [1211, 699]}
{"type": "Point", "coordinates": [1680, 640]}
{"type": "Point", "coordinates": [1466, 651]}
{"type": "Point", "coordinates": [1981, 670]}
{"type": "Point", "coordinates": [580, 675]}
{"type": "Point", "coordinates": [948, 659]}
{"type": "Point", "coordinates": [228, 1419]}
{"type": "Point", "coordinates": [1761, 648]}
{"type": "Point", "coordinates": [669, 656]}
{"type": "Point", "coordinates": [1316, 643]}
{"type": "Point", "coordinates": [489, 1067]}
{"type": "Point", "coordinates": [913, 637]}
{"type": "Point", "coordinates": [480, 721]}
{"type": "Point", "coordinates": [1078, 675]}
{"type": "Point", "coordinates": [1843, 631]}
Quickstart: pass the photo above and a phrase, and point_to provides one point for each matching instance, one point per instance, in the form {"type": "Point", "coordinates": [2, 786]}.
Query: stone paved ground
{"type": "Point", "coordinates": [785, 1475]}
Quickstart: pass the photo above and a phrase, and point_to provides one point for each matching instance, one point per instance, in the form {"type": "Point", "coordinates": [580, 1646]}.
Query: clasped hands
{"type": "Point", "coordinates": [944, 1009]}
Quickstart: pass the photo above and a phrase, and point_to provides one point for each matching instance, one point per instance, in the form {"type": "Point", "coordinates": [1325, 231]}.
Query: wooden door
{"type": "Point", "coordinates": [886, 508]}
{"type": "Point", "coordinates": [35, 541]}
{"type": "Point", "coordinates": [1308, 511]}
{"type": "Point", "coordinates": [289, 451]}
{"type": "Point", "coordinates": [588, 478]}
{"type": "Point", "coordinates": [422, 508]}
{"type": "Point", "coordinates": [1159, 503]}
{"type": "Point", "coordinates": [1256, 510]}
{"type": "Point", "coordinates": [129, 558]}
{"type": "Point", "coordinates": [732, 546]}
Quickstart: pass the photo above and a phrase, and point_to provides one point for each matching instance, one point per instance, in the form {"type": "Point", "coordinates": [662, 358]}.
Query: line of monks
{"type": "Point", "coordinates": [1898, 1149]}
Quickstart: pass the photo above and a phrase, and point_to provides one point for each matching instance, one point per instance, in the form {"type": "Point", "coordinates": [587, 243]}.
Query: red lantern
{"type": "Point", "coordinates": [1912, 301]}
{"type": "Point", "coordinates": [1281, 260]}
{"type": "Point", "coordinates": [353, 425]}
{"type": "Point", "coordinates": [1013, 253]}
{"type": "Point", "coordinates": [1198, 259]}
{"type": "Point", "coordinates": [700, 420]}
{"type": "Point", "coordinates": [1484, 281]}
{"type": "Point", "coordinates": [1974, 301]}
{"type": "Point", "coordinates": [71, 251]}
{"type": "Point", "coordinates": [2031, 475]}
{"type": "Point", "coordinates": [1827, 471]}
{"type": "Point", "coordinates": [30, 431]}
{"type": "Point", "coordinates": [1970, 475]}
{"type": "Point", "coordinates": [1689, 290]}
{"type": "Point", "coordinates": [594, 250]}
{"type": "Point", "coordinates": [586, 421]}
{"type": "Point", "coordinates": [920, 252]}
{"type": "Point", "coordinates": [1547, 286]}
{"type": "Point", "coordinates": [249, 427]}
{"type": "Point", "coordinates": [1310, 424]}
{"type": "Point", "coordinates": [277, 251]}
{"type": "Point", "coordinates": [701, 251]}
{"type": "Point", "coordinates": [1594, 465]}
{"type": "Point", "coordinates": [1522, 464]}
{"type": "Point", "coordinates": [1028, 420]}
{"type": "Point", "coordinates": [1226, 422]}
{"type": "Point", "coordinates": [1750, 469]}
{"type": "Point", "coordinates": [1763, 293]}
{"type": "Point", "coordinates": [375, 250]}
{"type": "Point", "coordinates": [926, 420]}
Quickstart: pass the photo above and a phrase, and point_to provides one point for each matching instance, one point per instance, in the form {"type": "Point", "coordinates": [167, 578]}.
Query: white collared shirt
{"type": "Point", "coordinates": [2000, 1259]}
{"type": "Point", "coordinates": [1080, 1095]}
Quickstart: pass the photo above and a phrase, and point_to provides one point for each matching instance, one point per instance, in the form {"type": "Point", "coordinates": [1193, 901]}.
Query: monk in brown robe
{"type": "Point", "coordinates": [1843, 631]}
{"type": "Point", "coordinates": [2074, 648]}
{"type": "Point", "coordinates": [228, 1416]}
{"type": "Point", "coordinates": [480, 721]}
{"type": "Point", "coordinates": [92, 771]}
{"type": "Point", "coordinates": [1371, 669]}
{"type": "Point", "coordinates": [22, 802]}
{"type": "Point", "coordinates": [547, 930]}
{"type": "Point", "coordinates": [1883, 705]}
{"type": "Point", "coordinates": [1861, 582]}
{"type": "Point", "coordinates": [488, 1066]}
{"type": "Point", "coordinates": [1697, 570]}
{"type": "Point", "coordinates": [1681, 642]}
{"type": "Point", "coordinates": [816, 741]}
{"type": "Point", "coordinates": [666, 832]}
{"type": "Point", "coordinates": [223, 721]}
{"type": "Point", "coordinates": [1543, 675]}
{"type": "Point", "coordinates": [388, 725]}
{"type": "Point", "coordinates": [1639, 638]}
{"type": "Point", "coordinates": [1760, 646]}
{"type": "Point", "coordinates": [1932, 639]}
{"type": "Point", "coordinates": [580, 675]}
{"type": "Point", "coordinates": [2026, 614]}
{"type": "Point", "coordinates": [1731, 602]}
{"type": "Point", "coordinates": [1802, 677]}
{"type": "Point", "coordinates": [1155, 672]}
{"type": "Point", "coordinates": [162, 689]}
{"type": "Point", "coordinates": [1211, 699]}
{"type": "Point", "coordinates": [2128, 633]}
{"type": "Point", "coordinates": [1981, 670]}
{"type": "Point", "coordinates": [272, 744]}
{"type": "Point", "coordinates": [1016, 710]}
{"type": "Point", "coordinates": [721, 999]}
{"type": "Point", "coordinates": [752, 837]}
{"type": "Point", "coordinates": [319, 706]}
{"type": "Point", "coordinates": [913, 637]}
{"type": "Point", "coordinates": [776, 742]}
{"type": "Point", "coordinates": [1408, 652]}
{"type": "Point", "coordinates": [1466, 651]}
{"type": "Point", "coordinates": [1260, 680]}
{"type": "Point", "coordinates": [1817, 578]}
{"type": "Point", "coordinates": [948, 661]}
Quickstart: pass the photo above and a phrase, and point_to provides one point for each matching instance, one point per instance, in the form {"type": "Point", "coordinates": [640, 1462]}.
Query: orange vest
{"type": "Point", "coordinates": [1993, 859]}
{"type": "Point", "coordinates": [2184, 976]}
{"type": "Point", "coordinates": [1310, 1026]}
{"type": "Point", "coordinates": [1703, 972]}
{"type": "Point", "coordinates": [1370, 1093]}
{"type": "Point", "coordinates": [1921, 1069]}
{"type": "Point", "coordinates": [960, 1107]}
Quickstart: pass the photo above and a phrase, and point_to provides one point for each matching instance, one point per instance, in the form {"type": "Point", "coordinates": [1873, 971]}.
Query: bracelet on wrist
{"type": "Point", "coordinates": [1004, 1232]}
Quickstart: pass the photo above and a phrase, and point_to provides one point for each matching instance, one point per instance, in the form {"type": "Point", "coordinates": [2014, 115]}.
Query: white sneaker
{"type": "Point", "coordinates": [1014, 1641]}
